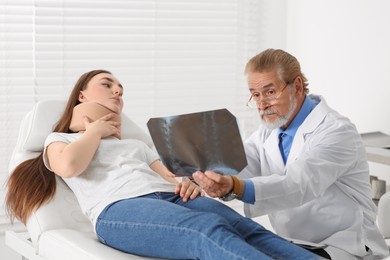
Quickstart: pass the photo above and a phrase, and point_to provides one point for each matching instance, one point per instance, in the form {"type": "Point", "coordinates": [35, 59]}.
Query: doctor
{"type": "Point", "coordinates": [307, 166]}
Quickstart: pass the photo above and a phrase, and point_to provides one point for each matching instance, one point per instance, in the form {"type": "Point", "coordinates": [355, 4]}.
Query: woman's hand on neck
{"type": "Point", "coordinates": [92, 111]}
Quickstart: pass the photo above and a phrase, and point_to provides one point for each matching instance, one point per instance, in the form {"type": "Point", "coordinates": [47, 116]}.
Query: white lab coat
{"type": "Point", "coordinates": [322, 195]}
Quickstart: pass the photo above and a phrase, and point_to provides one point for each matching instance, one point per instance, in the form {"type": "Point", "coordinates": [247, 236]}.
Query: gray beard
{"type": "Point", "coordinates": [281, 120]}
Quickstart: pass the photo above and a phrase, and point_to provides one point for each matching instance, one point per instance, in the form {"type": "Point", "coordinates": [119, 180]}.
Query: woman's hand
{"type": "Point", "coordinates": [103, 127]}
{"type": "Point", "coordinates": [188, 190]}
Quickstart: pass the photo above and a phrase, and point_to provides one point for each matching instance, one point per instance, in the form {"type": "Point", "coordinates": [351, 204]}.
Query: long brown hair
{"type": "Point", "coordinates": [31, 184]}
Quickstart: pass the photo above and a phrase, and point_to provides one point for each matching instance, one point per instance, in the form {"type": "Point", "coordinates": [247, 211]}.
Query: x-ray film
{"type": "Point", "coordinates": [199, 141]}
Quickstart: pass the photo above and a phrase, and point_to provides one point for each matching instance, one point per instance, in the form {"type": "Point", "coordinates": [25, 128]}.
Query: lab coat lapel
{"type": "Point", "coordinates": [296, 147]}
{"type": "Point", "coordinates": [271, 147]}
{"type": "Point", "coordinates": [312, 121]}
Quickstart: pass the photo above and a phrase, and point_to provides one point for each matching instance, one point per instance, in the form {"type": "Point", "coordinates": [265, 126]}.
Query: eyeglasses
{"type": "Point", "coordinates": [268, 95]}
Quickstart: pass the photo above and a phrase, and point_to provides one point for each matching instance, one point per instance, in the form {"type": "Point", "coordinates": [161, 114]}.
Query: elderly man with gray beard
{"type": "Point", "coordinates": [307, 166]}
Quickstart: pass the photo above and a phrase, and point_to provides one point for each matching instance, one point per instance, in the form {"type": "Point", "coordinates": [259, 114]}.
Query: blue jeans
{"type": "Point", "coordinates": [162, 225]}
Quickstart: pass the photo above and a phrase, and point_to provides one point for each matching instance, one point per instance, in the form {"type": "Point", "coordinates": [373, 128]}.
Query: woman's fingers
{"type": "Point", "coordinates": [188, 190]}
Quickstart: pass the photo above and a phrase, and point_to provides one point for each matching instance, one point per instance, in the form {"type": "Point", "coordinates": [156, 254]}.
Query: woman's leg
{"type": "Point", "coordinates": [255, 234]}
{"type": "Point", "coordinates": [155, 227]}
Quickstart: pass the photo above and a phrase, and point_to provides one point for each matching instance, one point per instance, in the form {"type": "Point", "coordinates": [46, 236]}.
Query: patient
{"type": "Point", "coordinates": [135, 204]}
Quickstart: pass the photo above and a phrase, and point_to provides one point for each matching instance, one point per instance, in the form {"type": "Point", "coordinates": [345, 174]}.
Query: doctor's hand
{"type": "Point", "coordinates": [214, 184]}
{"type": "Point", "coordinates": [188, 190]}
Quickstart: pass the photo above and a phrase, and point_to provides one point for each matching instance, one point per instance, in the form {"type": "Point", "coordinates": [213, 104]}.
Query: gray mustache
{"type": "Point", "coordinates": [268, 112]}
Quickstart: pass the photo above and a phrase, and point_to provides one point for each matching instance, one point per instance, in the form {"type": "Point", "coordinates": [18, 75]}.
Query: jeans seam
{"type": "Point", "coordinates": [101, 239]}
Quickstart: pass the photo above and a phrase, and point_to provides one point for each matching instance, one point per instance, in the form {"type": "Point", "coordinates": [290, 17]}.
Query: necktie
{"type": "Point", "coordinates": [283, 146]}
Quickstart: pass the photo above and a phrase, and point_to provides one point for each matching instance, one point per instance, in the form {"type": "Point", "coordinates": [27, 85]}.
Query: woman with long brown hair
{"type": "Point", "coordinates": [134, 203]}
{"type": "Point", "coordinates": [31, 183]}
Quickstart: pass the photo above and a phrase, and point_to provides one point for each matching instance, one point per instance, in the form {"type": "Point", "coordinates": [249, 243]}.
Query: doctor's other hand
{"type": "Point", "coordinates": [214, 184]}
{"type": "Point", "coordinates": [188, 190]}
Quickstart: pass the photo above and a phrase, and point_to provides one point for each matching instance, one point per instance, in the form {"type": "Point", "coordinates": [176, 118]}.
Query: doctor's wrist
{"type": "Point", "coordinates": [238, 187]}
{"type": "Point", "coordinates": [237, 190]}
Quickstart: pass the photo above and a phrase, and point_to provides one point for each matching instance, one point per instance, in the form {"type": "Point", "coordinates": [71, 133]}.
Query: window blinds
{"type": "Point", "coordinates": [171, 56]}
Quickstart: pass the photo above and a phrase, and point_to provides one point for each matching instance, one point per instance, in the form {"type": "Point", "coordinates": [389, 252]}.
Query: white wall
{"type": "Point", "coordinates": [344, 49]}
